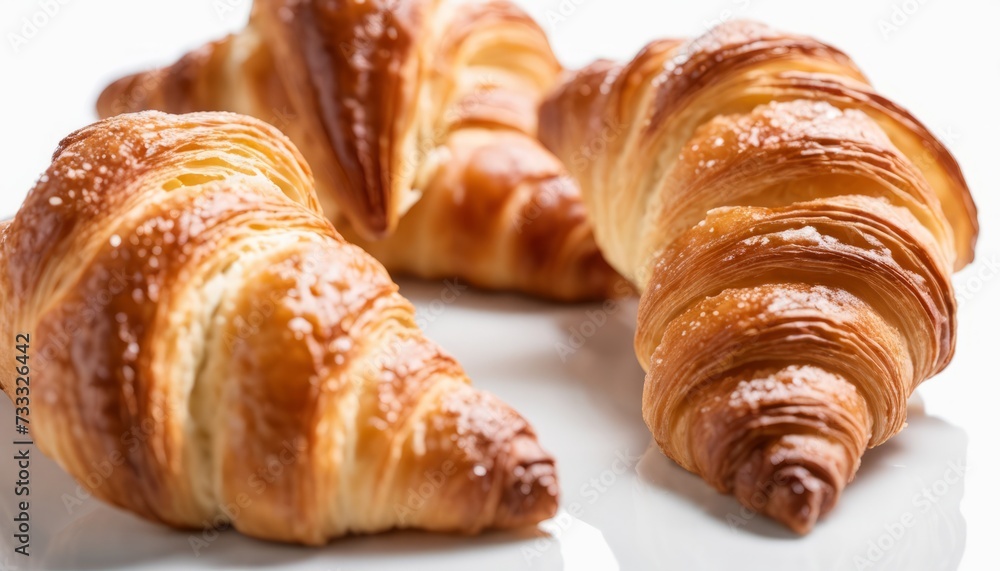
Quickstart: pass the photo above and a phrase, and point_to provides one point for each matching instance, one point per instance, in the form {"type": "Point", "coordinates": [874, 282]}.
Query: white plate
{"type": "Point", "coordinates": [625, 506]}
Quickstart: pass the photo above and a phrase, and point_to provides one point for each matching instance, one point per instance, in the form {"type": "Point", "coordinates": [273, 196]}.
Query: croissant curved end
{"type": "Point", "coordinates": [531, 492]}
{"type": "Point", "coordinates": [768, 374]}
{"type": "Point", "coordinates": [112, 99]}
{"type": "Point", "coordinates": [208, 218]}
{"type": "Point", "coordinates": [796, 494]}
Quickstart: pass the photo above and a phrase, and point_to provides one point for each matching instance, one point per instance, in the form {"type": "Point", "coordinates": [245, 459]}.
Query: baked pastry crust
{"type": "Point", "coordinates": [792, 233]}
{"type": "Point", "coordinates": [199, 325]}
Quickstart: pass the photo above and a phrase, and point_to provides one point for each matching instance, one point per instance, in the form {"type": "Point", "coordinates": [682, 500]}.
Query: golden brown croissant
{"type": "Point", "coordinates": [195, 322]}
{"type": "Point", "coordinates": [396, 103]}
{"type": "Point", "coordinates": [793, 234]}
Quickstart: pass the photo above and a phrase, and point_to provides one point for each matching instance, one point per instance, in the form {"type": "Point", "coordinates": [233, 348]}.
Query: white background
{"type": "Point", "coordinates": [937, 58]}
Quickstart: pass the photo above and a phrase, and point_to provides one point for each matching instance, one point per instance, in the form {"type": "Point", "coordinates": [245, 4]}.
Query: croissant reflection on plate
{"type": "Point", "coordinates": [792, 233]}
{"type": "Point", "coordinates": [422, 107]}
{"type": "Point", "coordinates": [196, 323]}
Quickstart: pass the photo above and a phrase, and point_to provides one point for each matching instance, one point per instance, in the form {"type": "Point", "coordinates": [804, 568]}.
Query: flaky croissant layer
{"type": "Point", "coordinates": [792, 233]}
{"type": "Point", "coordinates": [198, 324]}
{"type": "Point", "coordinates": [419, 118]}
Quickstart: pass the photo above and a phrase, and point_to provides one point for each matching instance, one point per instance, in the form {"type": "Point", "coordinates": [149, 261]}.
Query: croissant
{"type": "Point", "coordinates": [792, 234]}
{"type": "Point", "coordinates": [425, 104]}
{"type": "Point", "coordinates": [196, 323]}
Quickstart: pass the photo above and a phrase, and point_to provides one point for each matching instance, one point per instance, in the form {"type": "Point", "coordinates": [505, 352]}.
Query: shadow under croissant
{"type": "Point", "coordinates": [73, 547]}
{"type": "Point", "coordinates": [918, 525]}
{"type": "Point", "coordinates": [672, 511]}
{"type": "Point", "coordinates": [593, 347]}
{"type": "Point", "coordinates": [667, 498]}
{"type": "Point", "coordinates": [95, 536]}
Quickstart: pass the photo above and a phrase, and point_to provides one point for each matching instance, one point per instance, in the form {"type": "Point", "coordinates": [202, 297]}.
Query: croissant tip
{"type": "Point", "coordinates": [798, 498]}
{"type": "Point", "coordinates": [531, 488]}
